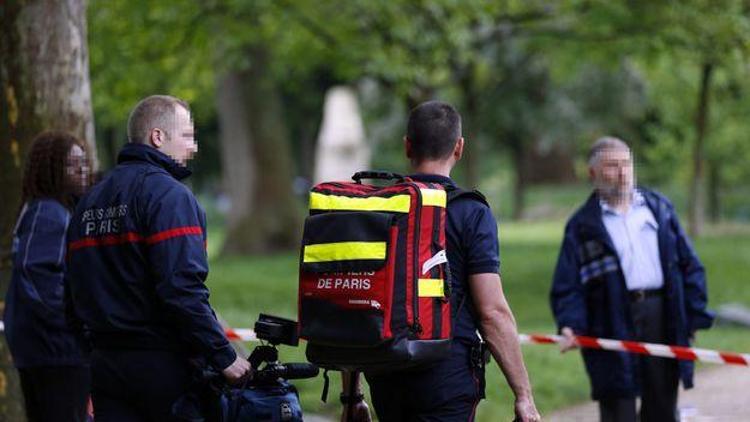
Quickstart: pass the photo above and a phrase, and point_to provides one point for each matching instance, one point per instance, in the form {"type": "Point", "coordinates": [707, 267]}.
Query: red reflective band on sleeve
{"type": "Point", "coordinates": [168, 234]}
{"type": "Point", "coordinates": [134, 238]}
{"type": "Point", "coordinates": [105, 241]}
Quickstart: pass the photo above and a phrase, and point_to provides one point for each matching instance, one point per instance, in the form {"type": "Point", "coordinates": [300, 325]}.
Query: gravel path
{"type": "Point", "coordinates": [721, 394]}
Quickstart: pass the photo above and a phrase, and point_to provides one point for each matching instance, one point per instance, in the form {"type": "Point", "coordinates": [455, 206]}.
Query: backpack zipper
{"type": "Point", "coordinates": [416, 326]}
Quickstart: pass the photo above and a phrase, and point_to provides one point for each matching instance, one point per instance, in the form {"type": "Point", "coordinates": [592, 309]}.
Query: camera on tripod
{"type": "Point", "coordinates": [275, 331]}
{"type": "Point", "coordinates": [267, 395]}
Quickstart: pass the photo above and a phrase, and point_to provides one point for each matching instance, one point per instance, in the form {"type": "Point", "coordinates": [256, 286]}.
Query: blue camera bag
{"type": "Point", "coordinates": [276, 402]}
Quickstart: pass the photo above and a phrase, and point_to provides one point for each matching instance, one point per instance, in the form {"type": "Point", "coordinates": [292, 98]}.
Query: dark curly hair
{"type": "Point", "coordinates": [44, 175]}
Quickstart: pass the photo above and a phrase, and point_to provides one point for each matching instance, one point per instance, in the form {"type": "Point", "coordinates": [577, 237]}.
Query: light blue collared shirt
{"type": "Point", "coordinates": [634, 234]}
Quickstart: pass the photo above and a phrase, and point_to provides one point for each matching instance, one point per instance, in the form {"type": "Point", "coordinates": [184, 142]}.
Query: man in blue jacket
{"type": "Point", "coordinates": [137, 266]}
{"type": "Point", "coordinates": [627, 271]}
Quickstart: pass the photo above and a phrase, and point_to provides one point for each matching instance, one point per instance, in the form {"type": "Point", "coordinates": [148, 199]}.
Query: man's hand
{"type": "Point", "coordinates": [237, 371]}
{"type": "Point", "coordinates": [569, 340]}
{"type": "Point", "coordinates": [360, 413]}
{"type": "Point", "coordinates": [526, 410]}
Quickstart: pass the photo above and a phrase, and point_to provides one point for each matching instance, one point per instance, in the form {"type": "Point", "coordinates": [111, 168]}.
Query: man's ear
{"type": "Point", "coordinates": [458, 150]}
{"type": "Point", "coordinates": [407, 147]}
{"type": "Point", "coordinates": [592, 174]}
{"type": "Point", "coordinates": [156, 138]}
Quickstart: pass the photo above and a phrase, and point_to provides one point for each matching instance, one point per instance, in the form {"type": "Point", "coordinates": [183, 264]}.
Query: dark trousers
{"type": "Point", "coordinates": [659, 377]}
{"type": "Point", "coordinates": [449, 391]}
{"type": "Point", "coordinates": [137, 385]}
{"type": "Point", "coordinates": [56, 393]}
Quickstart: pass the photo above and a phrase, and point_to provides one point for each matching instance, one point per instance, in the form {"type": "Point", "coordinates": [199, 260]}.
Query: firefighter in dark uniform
{"type": "Point", "coordinates": [137, 267]}
{"type": "Point", "coordinates": [452, 389]}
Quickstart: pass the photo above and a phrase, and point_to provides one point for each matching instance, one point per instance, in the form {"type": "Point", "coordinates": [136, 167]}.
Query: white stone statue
{"type": "Point", "coordinates": [342, 148]}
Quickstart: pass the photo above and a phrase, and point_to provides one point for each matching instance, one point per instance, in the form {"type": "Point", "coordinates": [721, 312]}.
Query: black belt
{"type": "Point", "coordinates": [643, 294]}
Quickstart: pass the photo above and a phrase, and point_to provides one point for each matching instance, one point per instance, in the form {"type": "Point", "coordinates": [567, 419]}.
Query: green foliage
{"type": "Point", "coordinates": [523, 72]}
{"type": "Point", "coordinates": [141, 48]}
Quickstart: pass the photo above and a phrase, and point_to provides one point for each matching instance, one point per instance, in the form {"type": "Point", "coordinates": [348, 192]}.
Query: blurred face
{"type": "Point", "coordinates": [77, 170]}
{"type": "Point", "coordinates": [181, 145]}
{"type": "Point", "coordinates": [613, 174]}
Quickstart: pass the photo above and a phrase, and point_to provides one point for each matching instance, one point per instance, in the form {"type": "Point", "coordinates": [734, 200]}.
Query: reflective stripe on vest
{"type": "Point", "coordinates": [434, 198]}
{"type": "Point", "coordinates": [397, 203]}
{"type": "Point", "coordinates": [431, 287]}
{"type": "Point", "coordinates": [344, 251]}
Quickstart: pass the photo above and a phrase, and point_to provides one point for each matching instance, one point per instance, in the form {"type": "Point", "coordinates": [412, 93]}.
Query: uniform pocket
{"type": "Point", "coordinates": [596, 270]}
{"type": "Point", "coordinates": [345, 241]}
{"type": "Point", "coordinates": [346, 278]}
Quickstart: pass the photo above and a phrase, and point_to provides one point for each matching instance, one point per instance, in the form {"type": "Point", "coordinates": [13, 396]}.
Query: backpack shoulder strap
{"type": "Point", "coordinates": [453, 193]}
{"type": "Point", "coordinates": [456, 192]}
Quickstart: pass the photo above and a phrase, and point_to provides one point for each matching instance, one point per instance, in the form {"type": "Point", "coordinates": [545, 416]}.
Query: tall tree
{"type": "Point", "coordinates": [44, 81]}
{"type": "Point", "coordinates": [705, 36]}
{"type": "Point", "coordinates": [238, 161]}
{"type": "Point", "coordinates": [257, 161]}
{"type": "Point", "coordinates": [271, 218]}
{"type": "Point", "coordinates": [696, 210]}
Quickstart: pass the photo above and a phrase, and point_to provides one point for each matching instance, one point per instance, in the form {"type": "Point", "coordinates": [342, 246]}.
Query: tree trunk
{"type": "Point", "coordinates": [237, 160]}
{"type": "Point", "coordinates": [471, 134]}
{"type": "Point", "coordinates": [519, 184]}
{"type": "Point", "coordinates": [109, 146]}
{"type": "Point", "coordinates": [273, 221]}
{"type": "Point", "coordinates": [696, 210]}
{"type": "Point", "coordinates": [714, 198]}
{"type": "Point", "coordinates": [44, 84]}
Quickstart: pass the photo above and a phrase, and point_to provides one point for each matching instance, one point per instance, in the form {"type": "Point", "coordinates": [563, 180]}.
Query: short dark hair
{"type": "Point", "coordinates": [433, 129]}
{"type": "Point", "coordinates": [44, 174]}
{"type": "Point", "coordinates": [156, 111]}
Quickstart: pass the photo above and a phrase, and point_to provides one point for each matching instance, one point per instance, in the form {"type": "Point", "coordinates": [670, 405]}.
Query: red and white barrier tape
{"type": "Point", "coordinates": [651, 349]}
{"type": "Point", "coordinates": [240, 334]}
{"type": "Point", "coordinates": [233, 334]}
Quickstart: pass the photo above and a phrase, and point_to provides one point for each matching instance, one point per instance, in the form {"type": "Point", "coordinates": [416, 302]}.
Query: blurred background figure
{"type": "Point", "coordinates": [628, 271]}
{"type": "Point", "coordinates": [51, 362]}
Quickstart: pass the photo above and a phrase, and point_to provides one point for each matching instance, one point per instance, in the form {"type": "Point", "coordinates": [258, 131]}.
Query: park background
{"type": "Point", "coordinates": [536, 83]}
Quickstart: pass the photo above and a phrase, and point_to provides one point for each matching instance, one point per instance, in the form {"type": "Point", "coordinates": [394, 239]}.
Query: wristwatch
{"type": "Point", "coordinates": [347, 399]}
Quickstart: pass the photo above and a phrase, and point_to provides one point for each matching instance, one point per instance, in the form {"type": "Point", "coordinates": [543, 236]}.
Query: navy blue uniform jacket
{"type": "Point", "coordinates": [589, 293]}
{"type": "Point", "coordinates": [137, 262]}
{"type": "Point", "coordinates": [473, 248]}
{"type": "Point", "coordinates": [34, 316]}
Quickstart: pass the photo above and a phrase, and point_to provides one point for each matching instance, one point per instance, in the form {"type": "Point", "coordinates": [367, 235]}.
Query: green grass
{"type": "Point", "coordinates": [243, 287]}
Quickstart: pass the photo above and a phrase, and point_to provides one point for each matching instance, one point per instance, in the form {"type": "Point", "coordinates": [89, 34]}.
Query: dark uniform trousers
{"type": "Point", "coordinates": [56, 393]}
{"type": "Point", "coordinates": [137, 385]}
{"type": "Point", "coordinates": [659, 377]}
{"type": "Point", "coordinates": [449, 392]}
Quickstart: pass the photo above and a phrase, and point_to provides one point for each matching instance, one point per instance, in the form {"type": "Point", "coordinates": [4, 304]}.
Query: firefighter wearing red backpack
{"type": "Point", "coordinates": [456, 301]}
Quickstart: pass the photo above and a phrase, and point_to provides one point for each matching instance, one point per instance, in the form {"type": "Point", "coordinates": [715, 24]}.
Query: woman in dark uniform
{"type": "Point", "coordinates": [54, 372]}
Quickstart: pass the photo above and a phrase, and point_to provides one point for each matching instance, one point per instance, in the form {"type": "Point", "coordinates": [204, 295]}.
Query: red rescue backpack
{"type": "Point", "coordinates": [374, 282]}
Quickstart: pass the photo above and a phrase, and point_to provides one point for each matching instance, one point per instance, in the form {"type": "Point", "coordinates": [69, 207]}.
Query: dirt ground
{"type": "Point", "coordinates": [720, 394]}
